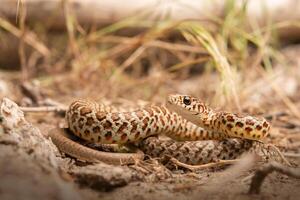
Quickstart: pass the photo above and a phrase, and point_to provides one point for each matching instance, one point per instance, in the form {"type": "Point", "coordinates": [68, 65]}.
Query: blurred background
{"type": "Point", "coordinates": [238, 55]}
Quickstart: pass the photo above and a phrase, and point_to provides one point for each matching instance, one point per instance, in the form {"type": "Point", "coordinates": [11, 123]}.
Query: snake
{"type": "Point", "coordinates": [186, 120]}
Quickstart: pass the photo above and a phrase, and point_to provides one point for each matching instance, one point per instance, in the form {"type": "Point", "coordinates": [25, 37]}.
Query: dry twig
{"type": "Point", "coordinates": [262, 173]}
{"type": "Point", "coordinates": [204, 166]}
{"type": "Point", "coordinates": [44, 109]}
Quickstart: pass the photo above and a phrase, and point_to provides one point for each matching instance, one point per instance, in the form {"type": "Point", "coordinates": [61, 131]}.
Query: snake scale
{"type": "Point", "coordinates": [183, 118]}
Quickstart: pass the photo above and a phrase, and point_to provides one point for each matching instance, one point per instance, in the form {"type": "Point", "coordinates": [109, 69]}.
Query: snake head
{"type": "Point", "coordinates": [186, 106]}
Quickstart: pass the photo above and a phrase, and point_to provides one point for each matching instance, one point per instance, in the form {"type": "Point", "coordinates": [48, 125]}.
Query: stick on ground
{"type": "Point", "coordinates": [262, 173]}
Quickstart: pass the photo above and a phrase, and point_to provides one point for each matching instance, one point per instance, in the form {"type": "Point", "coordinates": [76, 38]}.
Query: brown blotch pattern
{"type": "Point", "coordinates": [87, 132]}
{"type": "Point", "coordinates": [223, 121]}
{"type": "Point", "coordinates": [229, 126]}
{"type": "Point", "coordinates": [108, 135]}
{"type": "Point", "coordinates": [85, 110]}
{"type": "Point", "coordinates": [89, 121]}
{"type": "Point", "coordinates": [230, 118]}
{"type": "Point", "coordinates": [100, 115]}
{"type": "Point", "coordinates": [258, 127]}
{"type": "Point", "coordinates": [265, 124]}
{"type": "Point", "coordinates": [122, 127]}
{"type": "Point", "coordinates": [248, 129]}
{"type": "Point", "coordinates": [107, 124]}
{"type": "Point", "coordinates": [239, 124]}
{"type": "Point", "coordinates": [250, 122]}
{"type": "Point", "coordinates": [96, 129]}
{"type": "Point", "coordinates": [134, 126]}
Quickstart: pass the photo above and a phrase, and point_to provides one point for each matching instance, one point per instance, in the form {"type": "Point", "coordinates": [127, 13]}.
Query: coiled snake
{"type": "Point", "coordinates": [184, 118]}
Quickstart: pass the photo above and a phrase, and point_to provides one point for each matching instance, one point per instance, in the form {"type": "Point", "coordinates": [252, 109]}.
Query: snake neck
{"type": "Point", "coordinates": [226, 124]}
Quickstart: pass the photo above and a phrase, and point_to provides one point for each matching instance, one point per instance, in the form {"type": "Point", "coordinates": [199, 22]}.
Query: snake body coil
{"type": "Point", "coordinates": [184, 118]}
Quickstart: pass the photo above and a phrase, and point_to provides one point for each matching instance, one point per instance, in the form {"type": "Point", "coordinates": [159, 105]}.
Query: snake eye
{"type": "Point", "coordinates": [187, 100]}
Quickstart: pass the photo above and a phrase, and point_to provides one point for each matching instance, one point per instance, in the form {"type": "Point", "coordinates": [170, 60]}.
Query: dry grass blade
{"type": "Point", "coordinates": [291, 106]}
{"type": "Point", "coordinates": [196, 34]}
{"type": "Point", "coordinates": [187, 63]}
{"type": "Point", "coordinates": [22, 17]}
{"type": "Point", "coordinates": [29, 37]}
{"type": "Point", "coordinates": [71, 23]}
{"type": "Point", "coordinates": [130, 60]}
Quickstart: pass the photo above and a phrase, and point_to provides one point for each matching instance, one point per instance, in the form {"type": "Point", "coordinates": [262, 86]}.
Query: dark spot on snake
{"type": "Point", "coordinates": [137, 135]}
{"type": "Point", "coordinates": [151, 121]}
{"type": "Point", "coordinates": [148, 131]}
{"type": "Point", "coordinates": [145, 120]}
{"type": "Point", "coordinates": [108, 136]}
{"type": "Point", "coordinates": [248, 129]}
{"type": "Point", "coordinates": [134, 126]}
{"type": "Point", "coordinates": [162, 120]}
{"type": "Point", "coordinates": [122, 127]}
{"type": "Point", "coordinates": [223, 121]}
{"type": "Point", "coordinates": [230, 118]}
{"type": "Point", "coordinates": [89, 121]}
{"type": "Point", "coordinates": [80, 125]}
{"type": "Point", "coordinates": [265, 124]}
{"type": "Point", "coordinates": [96, 129]}
{"type": "Point", "coordinates": [87, 132]}
{"type": "Point", "coordinates": [215, 121]}
{"type": "Point", "coordinates": [99, 138]}
{"type": "Point", "coordinates": [81, 120]}
{"type": "Point", "coordinates": [250, 122]}
{"type": "Point", "coordinates": [107, 124]}
{"type": "Point", "coordinates": [258, 127]}
{"type": "Point", "coordinates": [73, 118]}
{"type": "Point", "coordinates": [264, 131]}
{"type": "Point", "coordinates": [230, 155]}
{"type": "Point", "coordinates": [239, 124]}
{"type": "Point", "coordinates": [242, 134]}
{"type": "Point", "coordinates": [229, 126]}
{"type": "Point", "coordinates": [194, 106]}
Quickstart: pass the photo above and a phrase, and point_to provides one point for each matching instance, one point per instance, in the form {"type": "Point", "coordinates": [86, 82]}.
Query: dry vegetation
{"type": "Point", "coordinates": [228, 62]}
